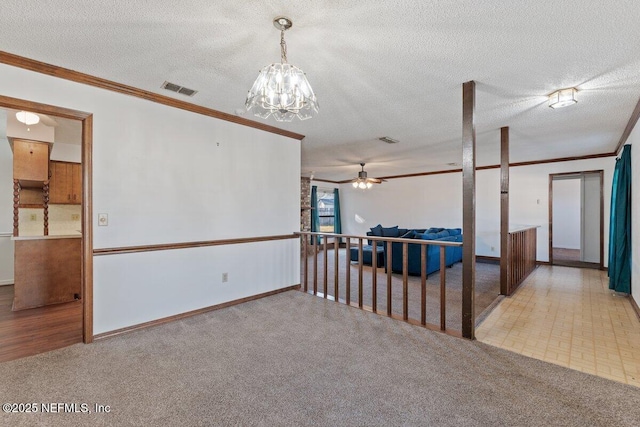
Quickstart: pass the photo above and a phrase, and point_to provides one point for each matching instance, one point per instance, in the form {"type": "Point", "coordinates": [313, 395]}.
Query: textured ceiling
{"type": "Point", "coordinates": [379, 68]}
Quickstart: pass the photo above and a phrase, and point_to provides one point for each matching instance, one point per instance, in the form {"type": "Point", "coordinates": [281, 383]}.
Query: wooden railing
{"type": "Point", "coordinates": [522, 256]}
{"type": "Point", "coordinates": [313, 243]}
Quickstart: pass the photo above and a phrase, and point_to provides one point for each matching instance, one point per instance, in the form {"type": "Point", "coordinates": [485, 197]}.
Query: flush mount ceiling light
{"type": "Point", "coordinates": [282, 90]}
{"type": "Point", "coordinates": [27, 118]}
{"type": "Point", "coordinates": [363, 182]}
{"type": "Point", "coordinates": [563, 98]}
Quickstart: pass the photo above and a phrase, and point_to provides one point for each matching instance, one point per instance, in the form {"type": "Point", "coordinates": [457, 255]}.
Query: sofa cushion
{"type": "Point", "coordinates": [402, 231]}
{"type": "Point", "coordinates": [411, 234]}
{"type": "Point", "coordinates": [429, 236]}
{"type": "Point", "coordinates": [454, 231]}
{"type": "Point", "coordinates": [390, 231]}
{"type": "Point", "coordinates": [434, 230]}
{"type": "Point", "coordinates": [377, 230]}
{"type": "Point", "coordinates": [443, 233]}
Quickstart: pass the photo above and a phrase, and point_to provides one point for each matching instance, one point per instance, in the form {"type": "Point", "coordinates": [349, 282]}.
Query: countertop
{"type": "Point", "coordinates": [62, 236]}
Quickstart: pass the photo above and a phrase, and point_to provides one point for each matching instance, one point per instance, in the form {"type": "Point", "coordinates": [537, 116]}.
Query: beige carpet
{"type": "Point", "coordinates": [297, 360]}
{"type": "Point", "coordinates": [487, 288]}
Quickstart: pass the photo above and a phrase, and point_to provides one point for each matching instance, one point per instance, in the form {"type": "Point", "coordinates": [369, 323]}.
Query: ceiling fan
{"type": "Point", "coordinates": [363, 182]}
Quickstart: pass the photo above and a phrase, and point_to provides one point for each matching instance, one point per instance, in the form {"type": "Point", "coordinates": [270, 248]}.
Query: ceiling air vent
{"type": "Point", "coordinates": [388, 140]}
{"type": "Point", "coordinates": [178, 89]}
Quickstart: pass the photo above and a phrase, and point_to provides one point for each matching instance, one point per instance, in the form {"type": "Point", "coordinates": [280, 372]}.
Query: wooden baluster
{"type": "Point", "coordinates": [348, 264]}
{"type": "Point", "coordinates": [305, 254]}
{"type": "Point", "coordinates": [315, 241]}
{"type": "Point", "coordinates": [443, 291]}
{"type": "Point", "coordinates": [423, 284]}
{"type": "Point", "coordinates": [16, 209]}
{"type": "Point", "coordinates": [326, 265]}
{"type": "Point", "coordinates": [336, 266]}
{"type": "Point", "coordinates": [45, 202]}
{"type": "Point", "coordinates": [405, 281]}
{"type": "Point", "coordinates": [360, 272]}
{"type": "Point", "coordinates": [389, 268]}
{"type": "Point", "coordinates": [374, 277]}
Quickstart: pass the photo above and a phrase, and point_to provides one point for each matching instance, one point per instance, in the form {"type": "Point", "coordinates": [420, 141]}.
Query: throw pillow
{"type": "Point", "coordinates": [377, 230]}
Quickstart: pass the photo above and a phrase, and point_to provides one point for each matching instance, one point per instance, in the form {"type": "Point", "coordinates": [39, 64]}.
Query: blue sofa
{"type": "Point", "coordinates": [452, 254]}
{"type": "Point", "coordinates": [367, 250]}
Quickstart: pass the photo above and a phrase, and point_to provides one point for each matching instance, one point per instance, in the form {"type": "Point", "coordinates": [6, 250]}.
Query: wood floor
{"type": "Point", "coordinates": [28, 332]}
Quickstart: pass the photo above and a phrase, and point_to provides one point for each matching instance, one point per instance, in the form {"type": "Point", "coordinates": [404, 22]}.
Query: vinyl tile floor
{"type": "Point", "coordinates": [568, 316]}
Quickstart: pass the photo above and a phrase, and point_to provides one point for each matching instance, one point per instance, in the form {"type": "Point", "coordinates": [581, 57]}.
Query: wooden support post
{"type": "Point", "coordinates": [423, 284]}
{"type": "Point", "coordinates": [315, 264]}
{"type": "Point", "coordinates": [388, 267]}
{"type": "Point", "coordinates": [405, 281]}
{"type": "Point", "coordinates": [336, 268]}
{"type": "Point", "coordinates": [45, 203]}
{"type": "Point", "coordinates": [360, 273]}
{"type": "Point", "coordinates": [504, 211]}
{"type": "Point", "coordinates": [326, 266]}
{"type": "Point", "coordinates": [468, 208]}
{"type": "Point", "coordinates": [443, 289]}
{"type": "Point", "coordinates": [305, 254]}
{"type": "Point", "coordinates": [16, 209]}
{"type": "Point", "coordinates": [374, 277]}
{"type": "Point", "coordinates": [348, 267]}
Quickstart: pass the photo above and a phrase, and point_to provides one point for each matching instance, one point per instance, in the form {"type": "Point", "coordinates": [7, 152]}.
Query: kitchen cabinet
{"type": "Point", "coordinates": [30, 162]}
{"type": "Point", "coordinates": [65, 185]}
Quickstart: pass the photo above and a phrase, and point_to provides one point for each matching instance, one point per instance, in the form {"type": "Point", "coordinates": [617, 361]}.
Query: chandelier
{"type": "Point", "coordinates": [282, 90]}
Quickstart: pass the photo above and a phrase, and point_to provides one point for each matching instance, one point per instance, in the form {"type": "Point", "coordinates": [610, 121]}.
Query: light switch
{"type": "Point", "coordinates": [103, 219]}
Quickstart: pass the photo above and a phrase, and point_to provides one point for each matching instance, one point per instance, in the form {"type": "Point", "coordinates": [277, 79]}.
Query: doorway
{"type": "Point", "coordinates": [576, 219]}
{"type": "Point", "coordinates": [36, 330]}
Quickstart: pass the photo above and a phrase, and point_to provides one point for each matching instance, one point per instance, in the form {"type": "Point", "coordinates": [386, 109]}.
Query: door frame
{"type": "Point", "coordinates": [87, 201]}
{"type": "Point", "coordinates": [577, 173]}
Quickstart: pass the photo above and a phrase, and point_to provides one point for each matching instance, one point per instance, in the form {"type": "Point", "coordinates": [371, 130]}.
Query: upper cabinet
{"type": "Point", "coordinates": [65, 186]}
{"type": "Point", "coordinates": [30, 162]}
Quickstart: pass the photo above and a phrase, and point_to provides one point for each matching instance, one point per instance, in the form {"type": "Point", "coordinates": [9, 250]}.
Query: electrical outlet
{"type": "Point", "coordinates": [225, 277]}
{"type": "Point", "coordinates": [492, 249]}
{"type": "Point", "coordinates": [33, 217]}
{"type": "Point", "coordinates": [75, 217]}
{"type": "Point", "coordinates": [103, 219]}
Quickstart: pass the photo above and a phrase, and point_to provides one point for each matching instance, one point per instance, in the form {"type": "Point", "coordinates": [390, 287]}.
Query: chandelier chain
{"type": "Point", "coordinates": [283, 48]}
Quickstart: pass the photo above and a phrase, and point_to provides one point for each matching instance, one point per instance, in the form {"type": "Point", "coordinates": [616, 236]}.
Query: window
{"type": "Point", "coordinates": [325, 210]}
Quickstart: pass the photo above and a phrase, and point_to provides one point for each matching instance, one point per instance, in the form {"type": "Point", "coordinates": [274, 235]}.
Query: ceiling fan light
{"type": "Point", "coordinates": [362, 185]}
{"type": "Point", "coordinates": [369, 185]}
{"type": "Point", "coordinates": [27, 118]}
{"type": "Point", "coordinates": [355, 185]}
{"type": "Point", "coordinates": [563, 98]}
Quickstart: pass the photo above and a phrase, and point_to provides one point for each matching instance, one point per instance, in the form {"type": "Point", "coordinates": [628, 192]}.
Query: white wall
{"type": "Point", "coordinates": [566, 213]}
{"type": "Point", "coordinates": [165, 175]}
{"type": "Point", "coordinates": [66, 152]}
{"type": "Point", "coordinates": [634, 140]}
{"type": "Point", "coordinates": [6, 205]}
{"type": "Point", "coordinates": [436, 201]}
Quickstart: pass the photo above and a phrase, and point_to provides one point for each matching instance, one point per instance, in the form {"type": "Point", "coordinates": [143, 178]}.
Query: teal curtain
{"type": "Point", "coordinates": [620, 225]}
{"type": "Point", "coordinates": [337, 223]}
{"type": "Point", "coordinates": [315, 215]}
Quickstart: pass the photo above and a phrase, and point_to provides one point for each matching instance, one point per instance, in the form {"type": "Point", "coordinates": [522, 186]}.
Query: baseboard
{"type": "Point", "coordinates": [634, 304]}
{"type": "Point", "coordinates": [6, 282]}
{"type": "Point", "coordinates": [488, 259]}
{"type": "Point", "coordinates": [192, 313]}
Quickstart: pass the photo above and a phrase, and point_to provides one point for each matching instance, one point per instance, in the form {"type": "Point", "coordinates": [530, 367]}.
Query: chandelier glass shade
{"type": "Point", "coordinates": [362, 184]}
{"type": "Point", "coordinates": [282, 90]}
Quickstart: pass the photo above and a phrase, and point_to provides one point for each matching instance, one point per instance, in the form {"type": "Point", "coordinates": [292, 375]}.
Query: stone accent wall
{"type": "Point", "coordinates": [305, 203]}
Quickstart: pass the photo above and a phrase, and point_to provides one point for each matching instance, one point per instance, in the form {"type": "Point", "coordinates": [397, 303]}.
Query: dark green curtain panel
{"type": "Point", "coordinates": [620, 225]}
{"type": "Point", "coordinates": [315, 215]}
{"type": "Point", "coordinates": [337, 223]}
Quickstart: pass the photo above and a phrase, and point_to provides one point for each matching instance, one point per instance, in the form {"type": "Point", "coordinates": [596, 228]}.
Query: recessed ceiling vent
{"type": "Point", "coordinates": [178, 89]}
{"type": "Point", "coordinates": [388, 140]}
